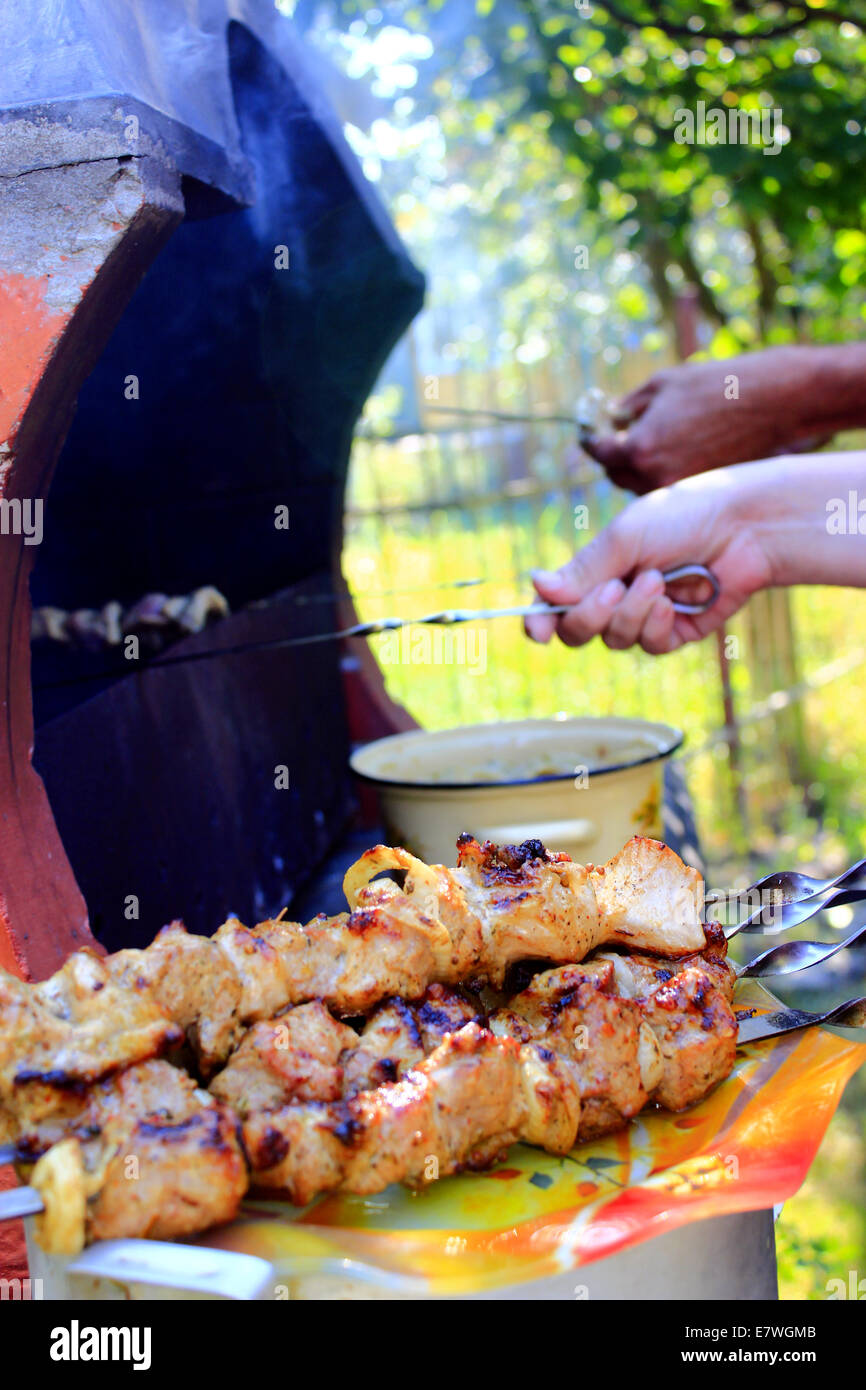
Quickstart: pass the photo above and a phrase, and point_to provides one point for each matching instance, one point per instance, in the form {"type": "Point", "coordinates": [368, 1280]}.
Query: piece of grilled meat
{"type": "Point", "coordinates": [574, 1011]}
{"type": "Point", "coordinates": [59, 1036]}
{"type": "Point", "coordinates": [696, 1030]}
{"type": "Point", "coordinates": [674, 1037]}
{"type": "Point", "coordinates": [637, 974]}
{"type": "Point", "coordinates": [307, 1054]}
{"type": "Point", "coordinates": [148, 1154]}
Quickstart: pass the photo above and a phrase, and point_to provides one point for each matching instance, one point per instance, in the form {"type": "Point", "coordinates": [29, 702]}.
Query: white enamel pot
{"type": "Point", "coordinates": [583, 785]}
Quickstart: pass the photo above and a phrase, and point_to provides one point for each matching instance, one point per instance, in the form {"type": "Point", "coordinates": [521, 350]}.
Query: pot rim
{"type": "Point", "coordinates": [676, 740]}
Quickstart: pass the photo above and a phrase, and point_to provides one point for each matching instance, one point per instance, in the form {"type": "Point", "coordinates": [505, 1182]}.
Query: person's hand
{"type": "Point", "coordinates": [704, 415]}
{"type": "Point", "coordinates": [753, 526]}
{"type": "Point", "coordinates": [789, 520]}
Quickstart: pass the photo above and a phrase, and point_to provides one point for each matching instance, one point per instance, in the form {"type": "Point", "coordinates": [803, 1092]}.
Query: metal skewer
{"type": "Point", "coordinates": [788, 886]}
{"type": "Point", "coordinates": [450, 616]}
{"type": "Point", "coordinates": [447, 617]}
{"type": "Point", "coordinates": [792, 956]}
{"type": "Point", "coordinates": [775, 917]}
{"type": "Point", "coordinates": [851, 1014]}
{"type": "Point", "coordinates": [20, 1201]}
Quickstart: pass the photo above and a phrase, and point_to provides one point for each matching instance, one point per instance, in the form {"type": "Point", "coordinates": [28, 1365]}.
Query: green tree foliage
{"type": "Point", "coordinates": [556, 113]}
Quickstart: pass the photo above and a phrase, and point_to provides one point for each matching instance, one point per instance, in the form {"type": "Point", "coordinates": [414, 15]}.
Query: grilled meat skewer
{"type": "Point", "coordinates": [463, 1106]}
{"type": "Point", "coordinates": [502, 905]}
{"type": "Point", "coordinates": [672, 1045]}
{"type": "Point", "coordinates": [445, 925]}
{"type": "Point", "coordinates": [145, 1153]}
{"type": "Point", "coordinates": [567, 1060]}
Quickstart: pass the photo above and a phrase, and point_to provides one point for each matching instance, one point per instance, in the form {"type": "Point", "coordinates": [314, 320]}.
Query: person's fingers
{"type": "Point", "coordinates": [609, 555]}
{"type": "Point", "coordinates": [591, 615]}
{"type": "Point", "coordinates": [686, 630]}
{"type": "Point", "coordinates": [631, 406]}
{"type": "Point", "coordinates": [623, 458]}
{"type": "Point", "coordinates": [633, 610]}
{"type": "Point", "coordinates": [610, 450]}
{"type": "Point", "coordinates": [657, 631]}
{"type": "Point", "coordinates": [630, 480]}
{"type": "Point", "coordinates": [540, 628]}
{"type": "Point", "coordinates": [675, 641]}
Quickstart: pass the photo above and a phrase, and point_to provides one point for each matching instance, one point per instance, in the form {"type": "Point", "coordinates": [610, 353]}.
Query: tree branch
{"type": "Point", "coordinates": [677, 30]}
{"type": "Point", "coordinates": [767, 283]}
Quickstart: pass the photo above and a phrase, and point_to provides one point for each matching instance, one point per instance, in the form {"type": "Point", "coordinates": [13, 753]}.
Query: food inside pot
{"type": "Point", "coordinates": [525, 765]}
{"type": "Point", "coordinates": [512, 752]}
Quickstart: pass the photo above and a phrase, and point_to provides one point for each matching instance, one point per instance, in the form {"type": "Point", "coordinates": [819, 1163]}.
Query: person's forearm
{"type": "Point", "coordinates": [836, 394]}
{"type": "Point", "coordinates": [808, 391]}
{"type": "Point", "coordinates": [809, 513]}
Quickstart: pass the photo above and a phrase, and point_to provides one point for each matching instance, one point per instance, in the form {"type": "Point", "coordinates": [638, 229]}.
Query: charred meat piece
{"type": "Point", "coordinates": [530, 904]}
{"type": "Point", "coordinates": [149, 1155]}
{"type": "Point", "coordinates": [389, 1045]}
{"type": "Point", "coordinates": [195, 982]}
{"type": "Point", "coordinates": [573, 1011]}
{"type": "Point", "coordinates": [399, 1035]}
{"type": "Point", "coordinates": [639, 975]}
{"type": "Point", "coordinates": [58, 1036]}
{"type": "Point", "coordinates": [697, 1033]}
{"type": "Point", "coordinates": [293, 1057]}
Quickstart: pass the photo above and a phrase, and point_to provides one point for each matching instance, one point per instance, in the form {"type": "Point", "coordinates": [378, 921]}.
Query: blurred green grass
{"type": "Point", "coordinates": [803, 807]}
